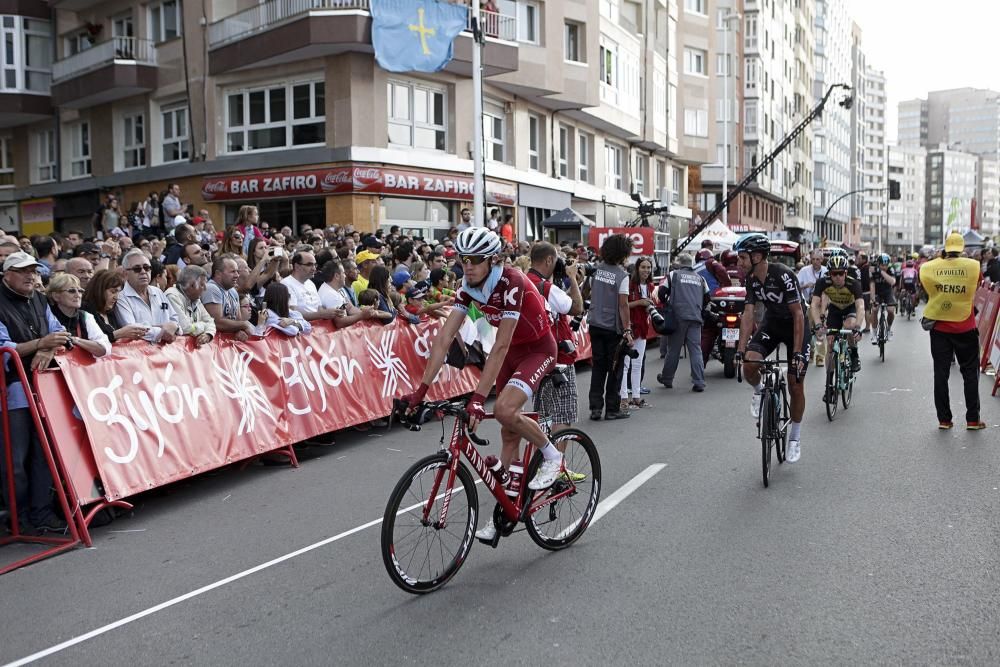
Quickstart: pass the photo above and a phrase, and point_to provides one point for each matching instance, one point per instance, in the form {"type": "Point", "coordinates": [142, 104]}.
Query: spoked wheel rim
{"type": "Point", "coordinates": [577, 491]}
{"type": "Point", "coordinates": [848, 391]}
{"type": "Point", "coordinates": [422, 555]}
{"type": "Point", "coordinates": [781, 440]}
{"type": "Point", "coordinates": [766, 428]}
{"type": "Point", "coordinates": [830, 399]}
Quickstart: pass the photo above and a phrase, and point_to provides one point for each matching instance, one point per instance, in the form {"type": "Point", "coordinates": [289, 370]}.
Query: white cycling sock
{"type": "Point", "coordinates": [550, 453]}
{"type": "Point", "coordinates": [759, 388]}
{"type": "Point", "coordinates": [793, 430]}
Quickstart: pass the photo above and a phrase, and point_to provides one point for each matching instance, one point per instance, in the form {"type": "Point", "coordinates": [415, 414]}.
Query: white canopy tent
{"type": "Point", "coordinates": [718, 233]}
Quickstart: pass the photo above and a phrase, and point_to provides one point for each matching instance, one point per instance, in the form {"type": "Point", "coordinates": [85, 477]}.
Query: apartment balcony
{"type": "Point", "coordinates": [284, 31]}
{"type": "Point", "coordinates": [18, 107]}
{"type": "Point", "coordinates": [118, 68]}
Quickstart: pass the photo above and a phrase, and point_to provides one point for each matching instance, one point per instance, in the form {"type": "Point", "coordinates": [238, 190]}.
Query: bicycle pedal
{"type": "Point", "coordinates": [492, 543]}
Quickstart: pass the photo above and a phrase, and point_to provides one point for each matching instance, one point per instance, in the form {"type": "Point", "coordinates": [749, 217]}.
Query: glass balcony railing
{"type": "Point", "coordinates": [116, 49]}
{"type": "Point", "coordinates": [268, 14]}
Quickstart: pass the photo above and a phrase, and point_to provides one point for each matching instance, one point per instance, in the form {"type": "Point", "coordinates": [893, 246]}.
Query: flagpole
{"type": "Point", "coordinates": [478, 204]}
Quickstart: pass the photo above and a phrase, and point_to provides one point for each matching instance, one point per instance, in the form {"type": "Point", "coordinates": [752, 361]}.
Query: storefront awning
{"type": "Point", "coordinates": [566, 219]}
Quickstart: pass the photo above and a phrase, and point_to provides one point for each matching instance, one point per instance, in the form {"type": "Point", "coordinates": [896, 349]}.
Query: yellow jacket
{"type": "Point", "coordinates": [950, 283]}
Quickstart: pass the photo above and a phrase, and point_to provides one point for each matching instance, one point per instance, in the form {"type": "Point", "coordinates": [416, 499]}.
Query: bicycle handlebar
{"type": "Point", "coordinates": [430, 410]}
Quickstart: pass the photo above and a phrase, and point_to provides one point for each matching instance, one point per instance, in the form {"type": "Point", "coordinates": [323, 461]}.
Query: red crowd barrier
{"type": "Point", "coordinates": [987, 304]}
{"type": "Point", "coordinates": [54, 545]}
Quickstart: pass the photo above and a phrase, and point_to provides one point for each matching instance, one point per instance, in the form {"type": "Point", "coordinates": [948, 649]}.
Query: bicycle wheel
{"type": "Point", "coordinates": [767, 430]}
{"type": "Point", "coordinates": [421, 556]}
{"type": "Point", "coordinates": [781, 418]}
{"type": "Point", "coordinates": [560, 523]}
{"type": "Point", "coordinates": [832, 384]}
{"type": "Point", "coordinates": [881, 336]}
{"type": "Point", "coordinates": [847, 390]}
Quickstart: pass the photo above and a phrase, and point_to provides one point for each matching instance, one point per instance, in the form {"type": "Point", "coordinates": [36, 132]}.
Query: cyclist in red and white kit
{"type": "Point", "coordinates": [523, 354]}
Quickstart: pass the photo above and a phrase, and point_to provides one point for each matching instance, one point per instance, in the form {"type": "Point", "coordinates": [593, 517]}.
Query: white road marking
{"type": "Point", "coordinates": [625, 491]}
{"type": "Point", "coordinates": [603, 508]}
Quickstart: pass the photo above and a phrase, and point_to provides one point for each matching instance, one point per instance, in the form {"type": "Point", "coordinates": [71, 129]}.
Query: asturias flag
{"type": "Point", "coordinates": [415, 35]}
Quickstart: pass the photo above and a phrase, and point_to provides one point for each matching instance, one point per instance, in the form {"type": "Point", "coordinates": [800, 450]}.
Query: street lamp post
{"type": "Point", "coordinates": [726, 111]}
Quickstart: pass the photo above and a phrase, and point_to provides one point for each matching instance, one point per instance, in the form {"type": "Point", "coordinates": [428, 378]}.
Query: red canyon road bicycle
{"type": "Point", "coordinates": [430, 520]}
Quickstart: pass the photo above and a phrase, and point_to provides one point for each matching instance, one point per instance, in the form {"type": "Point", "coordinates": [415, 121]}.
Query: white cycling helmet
{"type": "Point", "coordinates": [478, 241]}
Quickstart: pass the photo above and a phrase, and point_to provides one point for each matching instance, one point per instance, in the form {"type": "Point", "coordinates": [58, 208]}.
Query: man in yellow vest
{"type": "Point", "coordinates": [950, 282]}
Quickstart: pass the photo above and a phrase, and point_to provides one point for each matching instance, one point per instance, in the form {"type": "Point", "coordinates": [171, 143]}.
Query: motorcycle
{"type": "Point", "coordinates": [721, 331]}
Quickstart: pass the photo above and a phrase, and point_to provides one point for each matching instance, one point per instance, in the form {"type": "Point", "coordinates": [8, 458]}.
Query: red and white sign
{"type": "Point", "coordinates": [353, 179]}
{"type": "Point", "coordinates": [157, 414]}
{"type": "Point", "coordinates": [642, 238]}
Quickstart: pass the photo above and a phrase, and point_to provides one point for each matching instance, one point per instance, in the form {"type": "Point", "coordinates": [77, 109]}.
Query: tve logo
{"type": "Point", "coordinates": [642, 238]}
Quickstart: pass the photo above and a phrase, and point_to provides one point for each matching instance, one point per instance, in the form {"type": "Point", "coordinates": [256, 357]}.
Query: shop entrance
{"type": "Point", "coordinates": [285, 213]}
{"type": "Point", "coordinates": [424, 218]}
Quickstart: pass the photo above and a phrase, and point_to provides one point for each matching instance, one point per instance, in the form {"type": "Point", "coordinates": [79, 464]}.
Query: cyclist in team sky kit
{"type": "Point", "coordinates": [774, 289]}
{"type": "Point", "coordinates": [523, 354]}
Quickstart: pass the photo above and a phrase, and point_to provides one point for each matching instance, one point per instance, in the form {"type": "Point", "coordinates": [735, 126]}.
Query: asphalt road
{"type": "Point", "coordinates": [879, 546]}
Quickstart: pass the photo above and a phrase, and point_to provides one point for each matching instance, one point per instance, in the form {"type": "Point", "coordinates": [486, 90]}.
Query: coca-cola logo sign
{"type": "Point", "coordinates": [365, 177]}
{"type": "Point", "coordinates": [338, 180]}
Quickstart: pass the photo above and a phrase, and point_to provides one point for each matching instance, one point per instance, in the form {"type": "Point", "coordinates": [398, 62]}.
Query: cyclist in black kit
{"type": "Point", "coordinates": [883, 282]}
{"type": "Point", "coordinates": [775, 289]}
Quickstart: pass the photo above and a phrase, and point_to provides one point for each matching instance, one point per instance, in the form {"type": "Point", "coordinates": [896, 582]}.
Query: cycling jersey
{"type": "Point", "coordinates": [883, 290]}
{"type": "Point", "coordinates": [909, 276]}
{"type": "Point", "coordinates": [779, 290]}
{"type": "Point", "coordinates": [515, 298]}
{"type": "Point", "coordinates": [842, 297]}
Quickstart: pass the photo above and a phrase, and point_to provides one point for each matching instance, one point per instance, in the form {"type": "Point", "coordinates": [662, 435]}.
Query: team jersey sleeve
{"type": "Point", "coordinates": [856, 289]}
{"type": "Point", "coordinates": [462, 301]}
{"type": "Point", "coordinates": [512, 286]}
{"type": "Point", "coordinates": [821, 286]}
{"type": "Point", "coordinates": [751, 288]}
{"type": "Point", "coordinates": [789, 287]}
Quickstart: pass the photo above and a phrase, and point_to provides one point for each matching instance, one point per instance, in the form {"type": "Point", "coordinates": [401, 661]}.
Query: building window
{"type": "Point", "coordinates": [564, 151]}
{"type": "Point", "coordinates": [26, 57]}
{"type": "Point", "coordinates": [134, 140]}
{"type": "Point", "coordinates": [44, 152]}
{"type": "Point", "coordinates": [696, 122]}
{"type": "Point", "coordinates": [494, 132]}
{"type": "Point", "coordinates": [536, 142]}
{"type": "Point", "coordinates": [694, 61]}
{"type": "Point", "coordinates": [678, 186]}
{"type": "Point", "coordinates": [79, 149]}
{"type": "Point", "coordinates": [696, 7]}
{"type": "Point", "coordinates": [6, 162]}
{"type": "Point", "coordinates": [78, 42]}
{"type": "Point", "coordinates": [528, 20]}
{"type": "Point", "coordinates": [572, 42]}
{"type": "Point", "coordinates": [583, 154]}
{"type": "Point", "coordinates": [639, 179]}
{"type": "Point", "coordinates": [750, 118]}
{"type": "Point", "coordinates": [722, 62]}
{"type": "Point", "coordinates": [416, 115]}
{"type": "Point", "coordinates": [164, 20]}
{"type": "Point", "coordinates": [612, 167]}
{"type": "Point", "coordinates": [609, 64]}
{"type": "Point", "coordinates": [609, 9]}
{"type": "Point", "coordinates": [661, 175]}
{"type": "Point", "coordinates": [281, 116]}
{"type": "Point", "coordinates": [174, 124]}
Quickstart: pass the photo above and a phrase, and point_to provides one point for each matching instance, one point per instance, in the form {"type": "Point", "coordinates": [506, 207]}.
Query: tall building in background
{"type": "Point", "coordinates": [965, 120]}
{"type": "Point", "coordinates": [951, 180]}
{"type": "Point", "coordinates": [832, 131]}
{"type": "Point", "coordinates": [873, 219]}
{"type": "Point", "coordinates": [907, 165]}
{"type": "Point", "coordinates": [799, 70]}
{"type": "Point", "coordinates": [858, 112]}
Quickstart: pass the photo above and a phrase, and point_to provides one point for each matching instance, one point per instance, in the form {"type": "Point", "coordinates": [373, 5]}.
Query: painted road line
{"type": "Point", "coordinates": [625, 491]}
{"type": "Point", "coordinates": [603, 508]}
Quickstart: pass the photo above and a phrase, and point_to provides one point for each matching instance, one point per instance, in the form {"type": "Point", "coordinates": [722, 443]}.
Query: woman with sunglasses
{"type": "Point", "coordinates": [232, 242]}
{"type": "Point", "coordinates": [66, 297]}
{"type": "Point", "coordinates": [523, 354]}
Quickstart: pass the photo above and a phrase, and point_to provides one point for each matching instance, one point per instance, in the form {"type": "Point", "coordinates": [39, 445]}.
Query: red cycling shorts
{"type": "Point", "coordinates": [527, 364]}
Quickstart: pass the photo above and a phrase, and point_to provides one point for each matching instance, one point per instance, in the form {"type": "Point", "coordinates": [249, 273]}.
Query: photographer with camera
{"type": "Point", "coordinates": [547, 272]}
{"type": "Point", "coordinates": [688, 295]}
{"type": "Point", "coordinates": [610, 327]}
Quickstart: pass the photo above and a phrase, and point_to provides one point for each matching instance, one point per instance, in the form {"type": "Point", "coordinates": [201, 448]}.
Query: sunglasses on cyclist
{"type": "Point", "coordinates": [838, 273]}
{"type": "Point", "coordinates": [473, 260]}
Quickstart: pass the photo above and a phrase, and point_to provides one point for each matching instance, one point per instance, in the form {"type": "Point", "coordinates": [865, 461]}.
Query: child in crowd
{"type": "Point", "coordinates": [279, 314]}
{"type": "Point", "coordinates": [418, 304]}
{"type": "Point", "coordinates": [370, 297]}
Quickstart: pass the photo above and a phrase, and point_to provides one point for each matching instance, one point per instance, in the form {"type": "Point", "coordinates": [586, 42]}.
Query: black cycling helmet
{"type": "Point", "coordinates": [837, 263]}
{"type": "Point", "coordinates": [754, 242]}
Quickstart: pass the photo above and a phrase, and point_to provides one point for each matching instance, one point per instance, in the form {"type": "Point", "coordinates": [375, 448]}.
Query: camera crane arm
{"type": "Point", "coordinates": [766, 162]}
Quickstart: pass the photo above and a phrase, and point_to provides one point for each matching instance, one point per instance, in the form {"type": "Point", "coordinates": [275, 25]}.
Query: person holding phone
{"type": "Point", "coordinates": [278, 315]}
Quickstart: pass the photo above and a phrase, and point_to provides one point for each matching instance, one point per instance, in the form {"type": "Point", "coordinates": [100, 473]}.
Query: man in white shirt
{"type": "Point", "coordinates": [808, 277]}
{"type": "Point", "coordinates": [333, 296]}
{"type": "Point", "coordinates": [223, 302]}
{"type": "Point", "coordinates": [185, 297]}
{"type": "Point", "coordinates": [303, 295]}
{"type": "Point", "coordinates": [172, 206]}
{"type": "Point", "coordinates": [141, 303]}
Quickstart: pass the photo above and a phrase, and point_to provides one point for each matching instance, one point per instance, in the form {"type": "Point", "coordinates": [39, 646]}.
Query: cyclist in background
{"type": "Point", "coordinates": [838, 295]}
{"type": "Point", "coordinates": [908, 279]}
{"type": "Point", "coordinates": [522, 356]}
{"type": "Point", "coordinates": [883, 280]}
{"type": "Point", "coordinates": [864, 274]}
{"type": "Point", "coordinates": [774, 289]}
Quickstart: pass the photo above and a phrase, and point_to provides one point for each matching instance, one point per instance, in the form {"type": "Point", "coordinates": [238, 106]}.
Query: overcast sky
{"type": "Point", "coordinates": [923, 45]}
